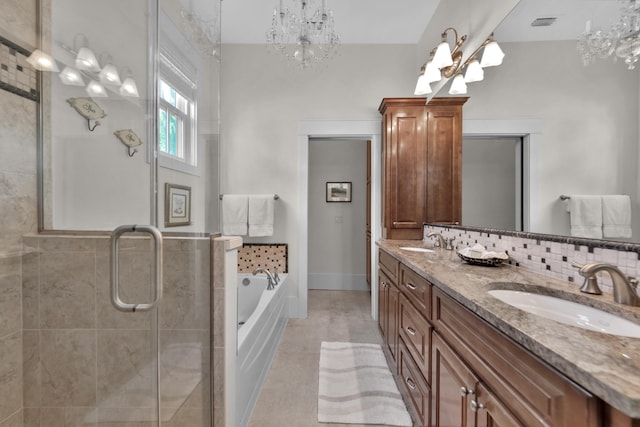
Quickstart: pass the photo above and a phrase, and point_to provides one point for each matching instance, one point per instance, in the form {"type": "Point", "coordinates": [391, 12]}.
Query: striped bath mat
{"type": "Point", "coordinates": [356, 386]}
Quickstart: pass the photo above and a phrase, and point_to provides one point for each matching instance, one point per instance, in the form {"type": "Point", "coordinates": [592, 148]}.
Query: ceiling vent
{"type": "Point", "coordinates": [543, 22]}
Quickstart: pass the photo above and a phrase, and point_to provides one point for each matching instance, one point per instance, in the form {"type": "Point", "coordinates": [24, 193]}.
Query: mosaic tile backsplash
{"type": "Point", "coordinates": [270, 256]}
{"type": "Point", "coordinates": [16, 75]}
{"type": "Point", "coordinates": [550, 257]}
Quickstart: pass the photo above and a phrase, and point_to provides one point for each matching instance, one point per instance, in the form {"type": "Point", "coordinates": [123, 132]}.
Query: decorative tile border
{"type": "Point", "coordinates": [16, 74]}
{"type": "Point", "coordinates": [549, 255]}
{"type": "Point", "coordinates": [271, 256]}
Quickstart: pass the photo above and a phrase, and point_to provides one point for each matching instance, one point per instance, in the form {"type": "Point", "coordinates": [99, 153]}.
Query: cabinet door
{"type": "Point", "coordinates": [490, 411]}
{"type": "Point", "coordinates": [405, 172]}
{"type": "Point", "coordinates": [393, 302]}
{"type": "Point", "coordinates": [452, 388]}
{"type": "Point", "coordinates": [383, 283]}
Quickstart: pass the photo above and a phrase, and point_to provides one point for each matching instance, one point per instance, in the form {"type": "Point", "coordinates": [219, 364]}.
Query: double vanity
{"type": "Point", "coordinates": [502, 346]}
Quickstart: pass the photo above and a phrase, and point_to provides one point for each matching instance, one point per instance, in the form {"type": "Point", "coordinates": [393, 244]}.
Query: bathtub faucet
{"type": "Point", "coordinates": [271, 282]}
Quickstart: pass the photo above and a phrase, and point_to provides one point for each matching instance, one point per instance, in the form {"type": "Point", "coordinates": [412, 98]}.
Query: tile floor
{"type": "Point", "coordinates": [290, 393]}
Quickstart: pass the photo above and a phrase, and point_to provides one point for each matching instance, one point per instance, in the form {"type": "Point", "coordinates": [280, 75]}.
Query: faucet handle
{"type": "Point", "coordinates": [449, 245]}
{"type": "Point", "coordinates": [275, 275]}
{"type": "Point", "coordinates": [633, 282]}
{"type": "Point", "coordinates": [576, 265]}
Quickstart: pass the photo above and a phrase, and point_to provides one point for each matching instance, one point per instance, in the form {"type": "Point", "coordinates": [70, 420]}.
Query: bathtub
{"type": "Point", "coordinates": [262, 317]}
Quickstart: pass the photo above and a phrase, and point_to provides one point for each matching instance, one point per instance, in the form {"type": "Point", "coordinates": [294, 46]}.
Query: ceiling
{"type": "Point", "coordinates": [374, 22]}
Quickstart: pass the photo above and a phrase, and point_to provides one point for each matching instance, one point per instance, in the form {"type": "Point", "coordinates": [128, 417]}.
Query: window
{"type": "Point", "coordinates": [177, 136]}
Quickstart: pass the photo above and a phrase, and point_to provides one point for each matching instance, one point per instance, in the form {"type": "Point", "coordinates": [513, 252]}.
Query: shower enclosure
{"type": "Point", "coordinates": [116, 286]}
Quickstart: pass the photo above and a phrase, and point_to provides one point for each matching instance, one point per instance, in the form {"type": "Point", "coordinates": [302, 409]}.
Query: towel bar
{"type": "Point", "coordinates": [275, 197]}
{"type": "Point", "coordinates": [563, 197]}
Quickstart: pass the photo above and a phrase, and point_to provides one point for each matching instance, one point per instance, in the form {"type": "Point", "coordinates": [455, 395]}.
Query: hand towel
{"type": "Point", "coordinates": [261, 209]}
{"type": "Point", "coordinates": [616, 216]}
{"type": "Point", "coordinates": [234, 214]}
{"type": "Point", "coordinates": [586, 216]}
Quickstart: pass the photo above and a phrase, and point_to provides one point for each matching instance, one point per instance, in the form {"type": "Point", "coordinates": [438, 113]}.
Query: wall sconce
{"type": "Point", "coordinates": [85, 58]}
{"type": "Point", "coordinates": [448, 63]}
{"type": "Point", "coordinates": [42, 62]}
{"type": "Point", "coordinates": [109, 73]}
{"type": "Point", "coordinates": [71, 76]}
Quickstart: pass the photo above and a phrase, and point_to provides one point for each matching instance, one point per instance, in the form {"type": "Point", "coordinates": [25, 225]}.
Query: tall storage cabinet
{"type": "Point", "coordinates": [422, 157]}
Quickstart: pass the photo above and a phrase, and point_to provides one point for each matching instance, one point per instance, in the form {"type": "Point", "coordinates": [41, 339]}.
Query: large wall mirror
{"type": "Point", "coordinates": [136, 78]}
{"type": "Point", "coordinates": [587, 117]}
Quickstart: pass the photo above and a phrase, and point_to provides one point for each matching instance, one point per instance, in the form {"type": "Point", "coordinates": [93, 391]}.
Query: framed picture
{"type": "Point", "coordinates": [338, 191]}
{"type": "Point", "coordinates": [177, 205]}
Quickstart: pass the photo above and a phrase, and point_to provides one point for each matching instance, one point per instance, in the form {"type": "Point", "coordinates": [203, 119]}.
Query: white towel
{"type": "Point", "coordinates": [261, 215]}
{"type": "Point", "coordinates": [234, 214]}
{"type": "Point", "coordinates": [586, 216]}
{"type": "Point", "coordinates": [616, 216]}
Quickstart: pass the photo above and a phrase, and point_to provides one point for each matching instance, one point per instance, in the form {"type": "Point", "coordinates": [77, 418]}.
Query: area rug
{"type": "Point", "coordinates": [356, 386]}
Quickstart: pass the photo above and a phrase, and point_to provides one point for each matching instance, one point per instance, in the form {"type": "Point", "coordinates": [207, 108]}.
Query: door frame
{"type": "Point", "coordinates": [357, 130]}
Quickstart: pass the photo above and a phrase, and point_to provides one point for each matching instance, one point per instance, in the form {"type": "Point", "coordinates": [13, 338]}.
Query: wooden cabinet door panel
{"type": "Point", "coordinates": [383, 282]}
{"type": "Point", "coordinates": [491, 412]}
{"type": "Point", "coordinates": [392, 320]}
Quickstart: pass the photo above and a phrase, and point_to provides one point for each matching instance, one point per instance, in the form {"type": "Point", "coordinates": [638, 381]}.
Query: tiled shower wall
{"type": "Point", "coordinates": [86, 363]}
{"type": "Point", "coordinates": [18, 204]}
{"type": "Point", "coordinates": [548, 255]}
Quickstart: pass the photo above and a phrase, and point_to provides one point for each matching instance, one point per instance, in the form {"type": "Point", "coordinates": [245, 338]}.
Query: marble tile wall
{"type": "Point", "coordinates": [548, 255]}
{"type": "Point", "coordinates": [18, 205]}
{"type": "Point", "coordinates": [84, 362]}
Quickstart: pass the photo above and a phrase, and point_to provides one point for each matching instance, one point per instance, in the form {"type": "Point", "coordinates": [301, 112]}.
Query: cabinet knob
{"type": "Point", "coordinates": [465, 391]}
{"type": "Point", "coordinates": [475, 406]}
{"type": "Point", "coordinates": [410, 383]}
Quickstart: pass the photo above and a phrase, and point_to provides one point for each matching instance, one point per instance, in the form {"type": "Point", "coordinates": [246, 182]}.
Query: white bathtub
{"type": "Point", "coordinates": [262, 317]}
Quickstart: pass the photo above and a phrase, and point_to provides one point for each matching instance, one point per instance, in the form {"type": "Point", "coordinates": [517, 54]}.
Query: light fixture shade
{"type": "Point", "coordinates": [442, 58]}
{"type": "Point", "coordinates": [422, 87]}
{"type": "Point", "coordinates": [432, 73]}
{"type": "Point", "coordinates": [86, 60]}
{"type": "Point", "coordinates": [96, 90]}
{"type": "Point", "coordinates": [492, 55]}
{"type": "Point", "coordinates": [129, 88]}
{"type": "Point", "coordinates": [474, 73]}
{"type": "Point", "coordinates": [109, 75]}
{"type": "Point", "coordinates": [42, 62]}
{"type": "Point", "coordinates": [71, 76]}
{"type": "Point", "coordinates": [458, 87]}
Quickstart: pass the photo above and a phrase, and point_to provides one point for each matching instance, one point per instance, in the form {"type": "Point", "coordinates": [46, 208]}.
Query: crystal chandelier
{"type": "Point", "coordinates": [303, 33]}
{"type": "Point", "coordinates": [622, 40]}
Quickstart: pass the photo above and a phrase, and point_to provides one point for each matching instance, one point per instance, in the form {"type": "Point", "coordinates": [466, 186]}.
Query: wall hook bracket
{"type": "Point", "coordinates": [132, 151]}
{"type": "Point", "coordinates": [95, 125]}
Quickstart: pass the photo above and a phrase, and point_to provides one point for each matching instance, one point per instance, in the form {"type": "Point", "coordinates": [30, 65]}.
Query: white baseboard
{"type": "Point", "coordinates": [338, 282]}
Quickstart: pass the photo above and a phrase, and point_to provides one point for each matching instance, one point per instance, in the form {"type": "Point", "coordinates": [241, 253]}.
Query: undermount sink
{"type": "Point", "coordinates": [413, 249]}
{"type": "Point", "coordinates": [568, 312]}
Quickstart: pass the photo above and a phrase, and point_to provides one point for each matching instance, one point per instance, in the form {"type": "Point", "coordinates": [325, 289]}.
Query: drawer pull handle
{"type": "Point", "coordinates": [411, 330]}
{"type": "Point", "coordinates": [410, 286]}
{"type": "Point", "coordinates": [410, 383]}
{"type": "Point", "coordinates": [465, 391]}
{"type": "Point", "coordinates": [475, 406]}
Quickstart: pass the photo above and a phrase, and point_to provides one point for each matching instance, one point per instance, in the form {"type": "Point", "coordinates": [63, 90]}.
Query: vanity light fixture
{"type": "Point", "coordinates": [448, 63]}
{"type": "Point", "coordinates": [71, 76]}
{"type": "Point", "coordinates": [96, 90]}
{"type": "Point", "coordinates": [42, 61]}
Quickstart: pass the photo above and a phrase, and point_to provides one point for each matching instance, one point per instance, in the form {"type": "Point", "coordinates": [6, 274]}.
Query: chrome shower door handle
{"type": "Point", "coordinates": [156, 275]}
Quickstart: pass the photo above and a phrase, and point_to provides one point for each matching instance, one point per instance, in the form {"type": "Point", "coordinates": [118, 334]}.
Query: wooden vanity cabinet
{"type": "Point", "coordinates": [422, 163]}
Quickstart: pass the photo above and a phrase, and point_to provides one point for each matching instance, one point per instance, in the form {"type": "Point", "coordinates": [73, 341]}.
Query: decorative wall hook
{"type": "Point", "coordinates": [130, 139]}
{"type": "Point", "coordinates": [88, 109]}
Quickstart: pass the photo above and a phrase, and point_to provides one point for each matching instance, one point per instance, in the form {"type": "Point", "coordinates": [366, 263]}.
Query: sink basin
{"type": "Point", "coordinates": [568, 312]}
{"type": "Point", "coordinates": [412, 249]}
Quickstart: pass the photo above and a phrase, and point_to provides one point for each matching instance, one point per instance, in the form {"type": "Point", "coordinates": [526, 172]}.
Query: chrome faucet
{"type": "Point", "coordinates": [624, 288]}
{"type": "Point", "coordinates": [271, 282]}
{"type": "Point", "coordinates": [441, 241]}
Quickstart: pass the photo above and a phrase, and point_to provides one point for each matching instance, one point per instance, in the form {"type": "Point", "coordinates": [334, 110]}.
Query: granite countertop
{"type": "Point", "coordinates": [606, 365]}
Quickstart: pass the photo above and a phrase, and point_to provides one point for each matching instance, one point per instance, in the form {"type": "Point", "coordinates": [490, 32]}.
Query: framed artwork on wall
{"type": "Point", "coordinates": [338, 192]}
{"type": "Point", "coordinates": [177, 205]}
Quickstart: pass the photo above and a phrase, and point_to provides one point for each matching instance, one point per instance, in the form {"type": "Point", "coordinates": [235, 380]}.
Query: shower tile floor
{"type": "Point", "coordinates": [290, 393]}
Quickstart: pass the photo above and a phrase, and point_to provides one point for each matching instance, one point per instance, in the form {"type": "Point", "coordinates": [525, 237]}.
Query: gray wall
{"type": "Point", "coordinates": [337, 230]}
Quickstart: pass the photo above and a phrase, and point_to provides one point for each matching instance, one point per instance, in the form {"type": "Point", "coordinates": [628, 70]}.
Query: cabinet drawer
{"type": "Point", "coordinates": [534, 392]}
{"type": "Point", "coordinates": [417, 290]}
{"type": "Point", "coordinates": [390, 265]}
{"type": "Point", "coordinates": [416, 333]}
{"type": "Point", "coordinates": [415, 386]}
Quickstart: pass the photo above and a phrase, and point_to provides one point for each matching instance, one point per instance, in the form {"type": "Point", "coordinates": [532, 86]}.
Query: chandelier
{"type": "Point", "coordinates": [304, 33]}
{"type": "Point", "coordinates": [622, 40]}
